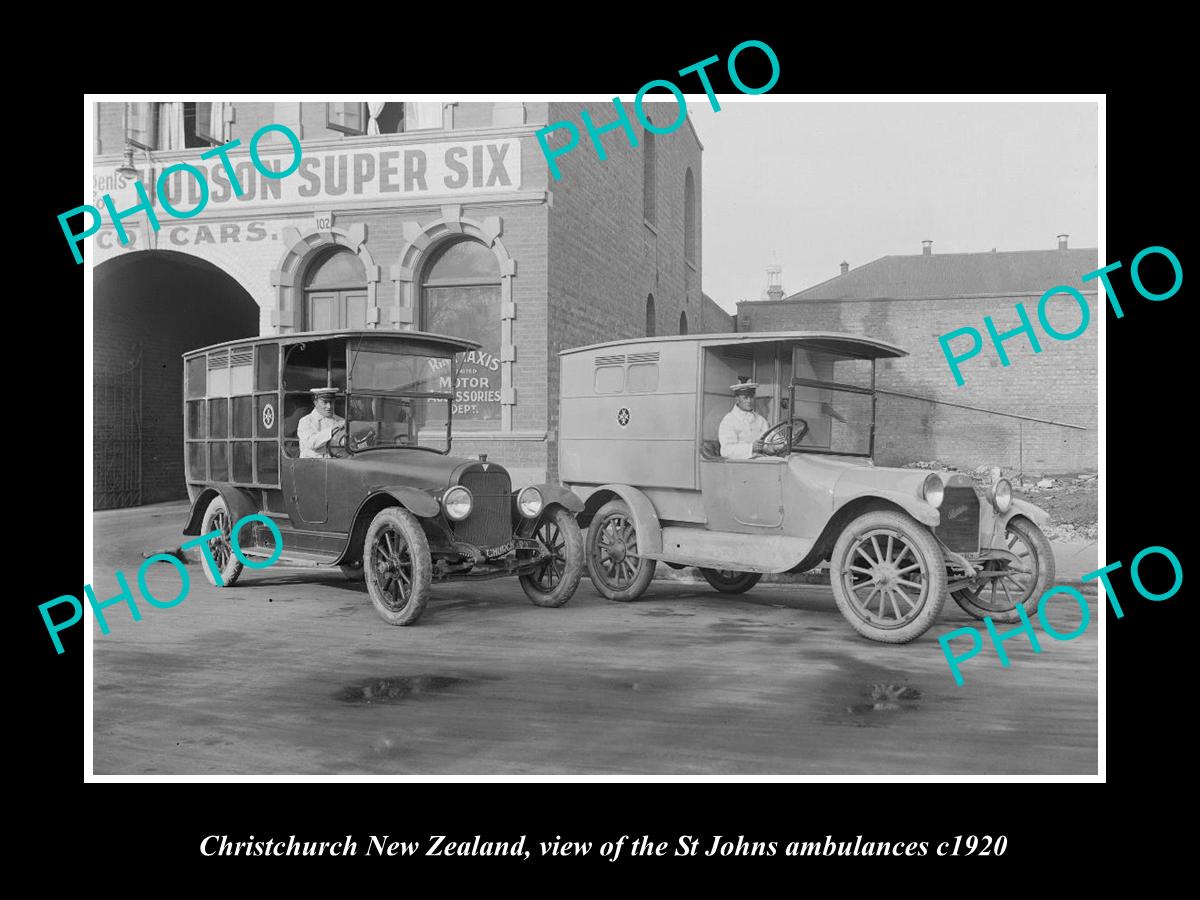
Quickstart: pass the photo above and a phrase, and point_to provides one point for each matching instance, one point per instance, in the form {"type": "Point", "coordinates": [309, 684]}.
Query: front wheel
{"type": "Point", "coordinates": [397, 566]}
{"type": "Point", "coordinates": [555, 582]}
{"type": "Point", "coordinates": [613, 562]}
{"type": "Point", "coordinates": [217, 518]}
{"type": "Point", "coordinates": [888, 576]}
{"type": "Point", "coordinates": [1022, 581]}
{"type": "Point", "coordinates": [729, 582]}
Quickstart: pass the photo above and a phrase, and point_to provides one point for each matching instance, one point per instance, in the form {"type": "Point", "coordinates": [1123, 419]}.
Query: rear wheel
{"type": "Point", "coordinates": [614, 565]}
{"type": "Point", "coordinates": [555, 582]}
{"type": "Point", "coordinates": [397, 566]}
{"type": "Point", "coordinates": [729, 582]}
{"type": "Point", "coordinates": [1022, 581]}
{"type": "Point", "coordinates": [888, 576]}
{"type": "Point", "coordinates": [217, 518]}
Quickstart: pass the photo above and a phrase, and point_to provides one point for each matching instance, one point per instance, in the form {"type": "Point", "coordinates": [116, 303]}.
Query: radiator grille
{"type": "Point", "coordinates": [490, 521]}
{"type": "Point", "coordinates": [959, 529]}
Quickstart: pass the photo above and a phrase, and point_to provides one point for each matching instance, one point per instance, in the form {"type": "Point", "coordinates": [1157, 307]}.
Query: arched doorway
{"type": "Point", "coordinates": [150, 307]}
{"type": "Point", "coordinates": [461, 296]}
{"type": "Point", "coordinates": [335, 292]}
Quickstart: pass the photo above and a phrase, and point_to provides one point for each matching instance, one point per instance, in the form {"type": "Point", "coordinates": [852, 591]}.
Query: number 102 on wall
{"type": "Point", "coordinates": [323, 221]}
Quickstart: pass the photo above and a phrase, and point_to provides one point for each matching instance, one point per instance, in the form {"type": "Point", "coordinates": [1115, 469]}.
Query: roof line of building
{"type": "Point", "coordinates": [1087, 292]}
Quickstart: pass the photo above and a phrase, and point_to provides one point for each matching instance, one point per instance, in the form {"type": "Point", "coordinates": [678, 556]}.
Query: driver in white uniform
{"type": "Point", "coordinates": [742, 427]}
{"type": "Point", "coordinates": [320, 426]}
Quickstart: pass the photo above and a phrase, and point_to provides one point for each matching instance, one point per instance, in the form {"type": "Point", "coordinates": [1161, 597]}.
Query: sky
{"type": "Point", "coordinates": [808, 185]}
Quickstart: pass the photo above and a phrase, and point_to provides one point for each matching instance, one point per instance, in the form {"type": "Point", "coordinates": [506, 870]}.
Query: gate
{"type": "Point", "coordinates": [117, 437]}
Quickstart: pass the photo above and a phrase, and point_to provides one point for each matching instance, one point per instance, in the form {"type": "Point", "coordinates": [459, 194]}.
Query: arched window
{"type": "Point", "coordinates": [460, 296]}
{"type": "Point", "coordinates": [335, 292]}
{"type": "Point", "coordinates": [651, 330]}
{"type": "Point", "coordinates": [689, 216]}
{"type": "Point", "coordinates": [649, 176]}
{"type": "Point", "coordinates": [683, 322]}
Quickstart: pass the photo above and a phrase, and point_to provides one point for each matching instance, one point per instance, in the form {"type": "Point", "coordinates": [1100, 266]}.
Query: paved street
{"type": "Point", "coordinates": [293, 672]}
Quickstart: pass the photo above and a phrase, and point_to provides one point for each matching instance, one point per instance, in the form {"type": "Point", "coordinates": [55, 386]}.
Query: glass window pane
{"type": "Point", "coordinates": [643, 377]}
{"type": "Point", "coordinates": [217, 418]}
{"type": "Point", "coordinates": [218, 463]}
{"type": "Point", "coordinates": [610, 379]}
{"type": "Point", "coordinates": [243, 417]}
{"type": "Point", "coordinates": [268, 462]}
{"type": "Point", "coordinates": [465, 260]}
{"type": "Point", "coordinates": [267, 377]}
{"type": "Point", "coordinates": [340, 269]}
{"type": "Point", "coordinates": [195, 419]}
{"type": "Point", "coordinates": [242, 462]}
{"type": "Point", "coordinates": [196, 368]}
{"type": "Point", "coordinates": [267, 415]}
{"type": "Point", "coordinates": [818, 366]}
{"type": "Point", "coordinates": [196, 468]}
{"type": "Point", "coordinates": [471, 311]}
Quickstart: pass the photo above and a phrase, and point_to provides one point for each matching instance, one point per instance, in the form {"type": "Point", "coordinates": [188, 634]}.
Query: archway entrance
{"type": "Point", "coordinates": [150, 307]}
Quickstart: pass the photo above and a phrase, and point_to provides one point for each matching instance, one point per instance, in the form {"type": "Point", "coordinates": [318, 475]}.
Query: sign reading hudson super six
{"type": "Point", "coordinates": [375, 173]}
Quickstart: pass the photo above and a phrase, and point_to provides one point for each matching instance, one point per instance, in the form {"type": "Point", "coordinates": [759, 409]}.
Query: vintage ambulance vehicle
{"type": "Point", "coordinates": [381, 497]}
{"type": "Point", "coordinates": [638, 442]}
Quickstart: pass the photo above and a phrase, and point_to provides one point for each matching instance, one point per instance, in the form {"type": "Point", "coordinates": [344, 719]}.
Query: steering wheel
{"type": "Point", "coordinates": [774, 443]}
{"type": "Point", "coordinates": [340, 443]}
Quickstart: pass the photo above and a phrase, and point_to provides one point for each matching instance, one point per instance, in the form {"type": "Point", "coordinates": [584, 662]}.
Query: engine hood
{"type": "Point", "coordinates": [416, 468]}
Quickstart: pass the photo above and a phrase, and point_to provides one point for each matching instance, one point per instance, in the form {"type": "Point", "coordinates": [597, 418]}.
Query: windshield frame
{"type": "Point", "coordinates": [455, 358]}
{"type": "Point", "coordinates": [837, 386]}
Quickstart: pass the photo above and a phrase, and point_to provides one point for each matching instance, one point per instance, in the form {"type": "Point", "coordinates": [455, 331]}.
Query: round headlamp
{"type": "Point", "coordinates": [457, 503]}
{"type": "Point", "coordinates": [932, 491]}
{"type": "Point", "coordinates": [1002, 495]}
{"type": "Point", "coordinates": [529, 501]}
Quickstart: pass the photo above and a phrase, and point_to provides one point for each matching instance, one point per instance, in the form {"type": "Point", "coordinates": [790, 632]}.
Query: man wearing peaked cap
{"type": "Point", "coordinates": [742, 426]}
{"type": "Point", "coordinates": [320, 426]}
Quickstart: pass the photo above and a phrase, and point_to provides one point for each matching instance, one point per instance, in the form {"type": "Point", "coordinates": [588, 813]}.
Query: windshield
{"type": "Point", "coordinates": [400, 396]}
{"type": "Point", "coordinates": [832, 403]}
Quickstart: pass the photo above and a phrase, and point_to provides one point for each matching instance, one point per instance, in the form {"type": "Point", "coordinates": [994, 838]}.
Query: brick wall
{"type": "Point", "coordinates": [604, 260]}
{"type": "Point", "coordinates": [713, 318]}
{"type": "Point", "coordinates": [1058, 384]}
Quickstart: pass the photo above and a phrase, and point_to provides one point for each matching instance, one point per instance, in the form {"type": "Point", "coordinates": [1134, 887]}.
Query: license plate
{"type": "Point", "coordinates": [493, 552]}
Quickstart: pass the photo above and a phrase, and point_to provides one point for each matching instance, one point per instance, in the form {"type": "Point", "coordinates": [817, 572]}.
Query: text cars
{"type": "Point", "coordinates": [640, 443]}
{"type": "Point", "coordinates": [343, 439]}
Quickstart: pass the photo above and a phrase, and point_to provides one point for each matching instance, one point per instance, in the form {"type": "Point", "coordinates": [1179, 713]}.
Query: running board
{"type": "Point", "coordinates": [766, 553]}
{"type": "Point", "coordinates": [293, 559]}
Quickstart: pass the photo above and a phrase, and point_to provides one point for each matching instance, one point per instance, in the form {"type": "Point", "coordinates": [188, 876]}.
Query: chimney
{"type": "Point", "coordinates": [927, 248]}
{"type": "Point", "coordinates": [774, 282]}
{"type": "Point", "coordinates": [845, 267]}
{"type": "Point", "coordinates": [1062, 241]}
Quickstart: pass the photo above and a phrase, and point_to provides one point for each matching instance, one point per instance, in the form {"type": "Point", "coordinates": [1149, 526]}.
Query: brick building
{"type": "Point", "coordinates": [431, 216]}
{"type": "Point", "coordinates": [912, 300]}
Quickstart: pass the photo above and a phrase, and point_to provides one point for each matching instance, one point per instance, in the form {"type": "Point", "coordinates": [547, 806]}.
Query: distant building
{"type": "Point", "coordinates": [912, 300]}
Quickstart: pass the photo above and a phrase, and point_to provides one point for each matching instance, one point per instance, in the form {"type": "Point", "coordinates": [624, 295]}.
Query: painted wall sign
{"type": "Point", "coordinates": [369, 173]}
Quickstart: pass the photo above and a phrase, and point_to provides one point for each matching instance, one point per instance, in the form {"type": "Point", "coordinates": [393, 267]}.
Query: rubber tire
{"type": "Point", "coordinates": [934, 561]}
{"type": "Point", "coordinates": [739, 585]}
{"type": "Point", "coordinates": [573, 549]}
{"type": "Point", "coordinates": [233, 566]}
{"type": "Point", "coordinates": [1037, 541]}
{"type": "Point", "coordinates": [422, 566]}
{"type": "Point", "coordinates": [645, 571]}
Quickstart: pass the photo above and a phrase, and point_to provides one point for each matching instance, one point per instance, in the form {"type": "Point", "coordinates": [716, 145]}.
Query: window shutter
{"type": "Point", "coordinates": [348, 118]}
{"type": "Point", "coordinates": [140, 129]}
{"type": "Point", "coordinates": [209, 122]}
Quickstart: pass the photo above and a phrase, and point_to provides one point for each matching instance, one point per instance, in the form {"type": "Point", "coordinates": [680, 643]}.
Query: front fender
{"type": "Point", "coordinates": [645, 519]}
{"type": "Point", "coordinates": [1035, 514]}
{"type": "Point", "coordinates": [416, 501]}
{"type": "Point", "coordinates": [556, 493]}
{"type": "Point", "coordinates": [239, 501]}
{"type": "Point", "coordinates": [918, 509]}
